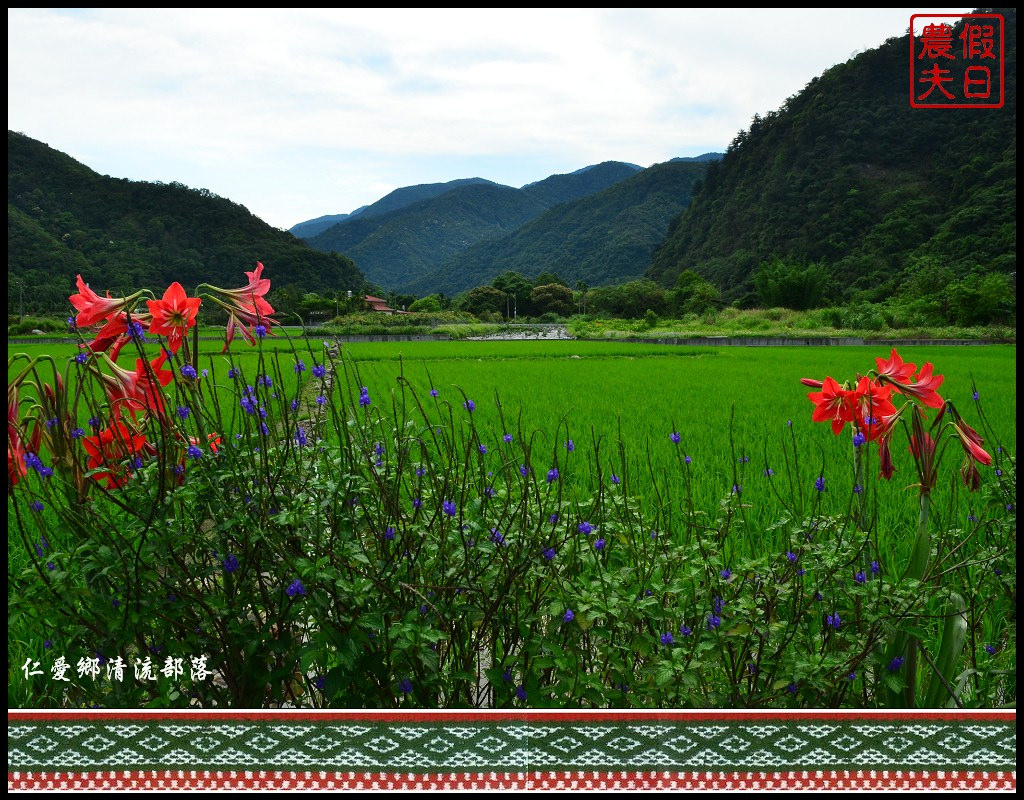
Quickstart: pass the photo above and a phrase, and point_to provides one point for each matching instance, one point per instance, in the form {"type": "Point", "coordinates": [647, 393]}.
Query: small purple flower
{"type": "Point", "coordinates": [51, 566]}
{"type": "Point", "coordinates": [77, 433]}
{"type": "Point", "coordinates": [568, 616]}
{"type": "Point", "coordinates": [300, 366]}
{"type": "Point", "coordinates": [417, 503]}
{"type": "Point", "coordinates": [71, 323]}
{"type": "Point", "coordinates": [81, 358]}
{"type": "Point", "coordinates": [585, 528]}
{"type": "Point", "coordinates": [717, 605]}
{"type": "Point", "coordinates": [553, 519]}
{"type": "Point", "coordinates": [523, 470]}
{"type": "Point", "coordinates": [552, 474]}
{"type": "Point", "coordinates": [726, 574]}
{"type": "Point", "coordinates": [789, 423]}
{"type": "Point", "coordinates": [52, 422]}
{"type": "Point", "coordinates": [507, 676]}
{"type": "Point", "coordinates": [319, 370]}
{"type": "Point", "coordinates": [686, 460]}
{"type": "Point", "coordinates": [875, 567]}
{"type": "Point", "coordinates": [48, 644]}
{"type": "Point", "coordinates": [295, 588]}
{"type": "Point", "coordinates": [319, 682]}
{"type": "Point", "coordinates": [449, 508]}
{"type": "Point", "coordinates": [364, 396]}
{"type": "Point", "coordinates": [895, 664]}
{"type": "Point", "coordinates": [389, 533]}
{"type": "Point", "coordinates": [851, 677]}
{"type": "Point", "coordinates": [421, 471]}
{"type": "Point", "coordinates": [94, 422]}
{"type": "Point", "coordinates": [470, 406]}
{"type": "Point", "coordinates": [260, 330]}
{"type": "Point", "coordinates": [483, 449]}
{"type": "Point", "coordinates": [179, 469]}
{"type": "Point", "coordinates": [685, 630]}
{"type": "Point", "coordinates": [768, 472]}
{"type": "Point", "coordinates": [521, 693]}
{"type": "Point", "coordinates": [791, 556]}
{"type": "Point", "coordinates": [792, 688]}
{"type": "Point", "coordinates": [833, 621]}
{"type": "Point", "coordinates": [675, 437]}
{"type": "Point", "coordinates": [405, 686]}
{"type": "Point", "coordinates": [36, 505]}
{"type": "Point", "coordinates": [570, 446]}
{"type": "Point", "coordinates": [300, 437]}
{"type": "Point", "coordinates": [974, 395]}
{"type": "Point", "coordinates": [194, 452]}
{"type": "Point", "coordinates": [800, 572]}
{"type": "Point", "coordinates": [549, 553]}
{"type": "Point", "coordinates": [320, 399]}
{"type": "Point", "coordinates": [183, 412]}
{"type": "Point", "coordinates": [230, 563]}
{"type": "Point", "coordinates": [859, 439]}
{"type": "Point", "coordinates": [990, 649]}
{"type": "Point", "coordinates": [507, 438]}
{"type": "Point", "coordinates": [496, 536]}
{"type": "Point", "coordinates": [489, 491]}
{"type": "Point", "coordinates": [667, 639]}
{"type": "Point", "coordinates": [599, 544]}
{"type": "Point", "coordinates": [819, 484]}
{"type": "Point", "coordinates": [713, 621]}
{"type": "Point", "coordinates": [233, 373]}
{"type": "Point", "coordinates": [188, 371]}
{"type": "Point", "coordinates": [433, 392]}
{"type": "Point", "coordinates": [860, 577]}
{"type": "Point", "coordinates": [615, 479]}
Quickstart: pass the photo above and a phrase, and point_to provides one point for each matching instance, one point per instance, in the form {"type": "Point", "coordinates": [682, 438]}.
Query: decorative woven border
{"type": "Point", "coordinates": [672, 750]}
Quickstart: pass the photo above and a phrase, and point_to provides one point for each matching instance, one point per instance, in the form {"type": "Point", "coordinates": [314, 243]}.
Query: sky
{"type": "Point", "coordinates": [300, 113]}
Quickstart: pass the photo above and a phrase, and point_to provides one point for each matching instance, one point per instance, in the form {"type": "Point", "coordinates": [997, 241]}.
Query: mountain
{"type": "Point", "coordinates": [63, 219]}
{"type": "Point", "coordinates": [312, 227]}
{"type": "Point", "coordinates": [886, 198]}
{"type": "Point", "coordinates": [396, 243]}
{"type": "Point", "coordinates": [399, 246]}
{"type": "Point", "coordinates": [574, 185]}
{"type": "Point", "coordinates": [410, 195]}
{"type": "Point", "coordinates": [606, 237]}
{"type": "Point", "coordinates": [704, 157]}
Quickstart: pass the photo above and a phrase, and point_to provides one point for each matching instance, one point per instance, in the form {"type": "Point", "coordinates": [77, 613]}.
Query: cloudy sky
{"type": "Point", "coordinates": [298, 113]}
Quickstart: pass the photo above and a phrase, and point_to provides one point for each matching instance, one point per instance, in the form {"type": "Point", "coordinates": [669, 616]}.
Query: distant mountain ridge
{"type": "Point", "coordinates": [604, 237]}
{"type": "Point", "coordinates": [404, 244]}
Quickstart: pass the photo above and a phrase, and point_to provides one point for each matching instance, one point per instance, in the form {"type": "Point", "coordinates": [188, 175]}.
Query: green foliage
{"type": "Point", "coordinates": [553, 298]}
{"type": "Point", "coordinates": [431, 302]}
{"type": "Point", "coordinates": [484, 299]}
{"type": "Point", "coordinates": [786, 285]}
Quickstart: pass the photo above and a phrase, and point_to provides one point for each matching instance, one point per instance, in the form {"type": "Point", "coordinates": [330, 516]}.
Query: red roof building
{"type": "Point", "coordinates": [381, 305]}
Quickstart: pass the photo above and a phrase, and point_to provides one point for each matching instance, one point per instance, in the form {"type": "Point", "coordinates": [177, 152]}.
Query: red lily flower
{"type": "Point", "coordinates": [832, 403]}
{"type": "Point", "coordinates": [894, 369]}
{"type": "Point", "coordinates": [870, 402]}
{"type": "Point", "coordinates": [173, 314]}
{"type": "Point", "coordinates": [110, 446]}
{"type": "Point", "coordinates": [972, 442]}
{"type": "Point", "coordinates": [924, 387]}
{"type": "Point", "coordinates": [91, 307]}
{"type": "Point", "coordinates": [114, 335]}
{"type": "Point", "coordinates": [137, 391]}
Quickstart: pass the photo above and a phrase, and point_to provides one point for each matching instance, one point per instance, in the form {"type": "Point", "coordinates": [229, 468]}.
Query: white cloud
{"type": "Point", "coordinates": [296, 113]}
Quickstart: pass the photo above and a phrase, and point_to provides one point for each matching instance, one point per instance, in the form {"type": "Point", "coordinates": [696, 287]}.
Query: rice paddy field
{"type": "Point", "coordinates": [742, 415]}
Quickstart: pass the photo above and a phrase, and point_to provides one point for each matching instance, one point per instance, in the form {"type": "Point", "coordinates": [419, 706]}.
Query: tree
{"type": "Point", "coordinates": [790, 285]}
{"type": "Point", "coordinates": [547, 278]}
{"type": "Point", "coordinates": [552, 298]}
{"type": "Point", "coordinates": [430, 303]}
{"type": "Point", "coordinates": [484, 299]}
